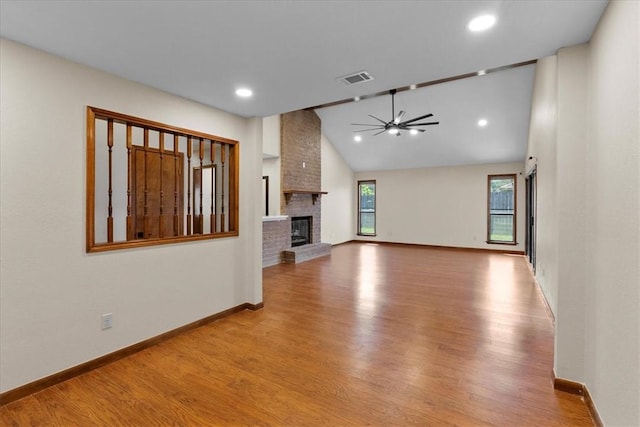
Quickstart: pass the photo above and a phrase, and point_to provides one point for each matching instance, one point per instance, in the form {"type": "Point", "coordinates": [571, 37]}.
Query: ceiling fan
{"type": "Point", "coordinates": [395, 125]}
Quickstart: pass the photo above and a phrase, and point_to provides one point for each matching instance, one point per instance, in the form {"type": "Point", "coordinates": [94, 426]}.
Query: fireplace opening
{"type": "Point", "coordinates": [300, 230]}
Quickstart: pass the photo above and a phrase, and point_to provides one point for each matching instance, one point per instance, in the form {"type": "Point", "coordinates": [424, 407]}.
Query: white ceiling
{"type": "Point", "coordinates": [291, 52]}
{"type": "Point", "coordinates": [502, 98]}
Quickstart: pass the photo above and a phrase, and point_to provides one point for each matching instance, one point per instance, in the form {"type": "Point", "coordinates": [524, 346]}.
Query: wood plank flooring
{"type": "Point", "coordinates": [376, 335]}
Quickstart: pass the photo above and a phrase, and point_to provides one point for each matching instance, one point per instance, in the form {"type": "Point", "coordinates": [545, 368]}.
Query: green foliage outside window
{"type": "Point", "coordinates": [367, 208]}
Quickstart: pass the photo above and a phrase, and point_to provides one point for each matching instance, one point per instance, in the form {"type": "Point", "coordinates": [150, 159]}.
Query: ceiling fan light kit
{"type": "Point", "coordinates": [395, 126]}
{"type": "Point", "coordinates": [481, 23]}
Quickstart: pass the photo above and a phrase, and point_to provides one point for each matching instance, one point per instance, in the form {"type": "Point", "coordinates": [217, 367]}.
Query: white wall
{"type": "Point", "coordinates": [612, 349]}
{"type": "Point", "coordinates": [542, 146]}
{"type": "Point", "coordinates": [444, 206]}
{"type": "Point", "coordinates": [589, 209]}
{"type": "Point", "coordinates": [338, 206]}
{"type": "Point", "coordinates": [52, 293]}
{"type": "Point", "coordinates": [271, 162]}
{"type": "Point", "coordinates": [571, 194]}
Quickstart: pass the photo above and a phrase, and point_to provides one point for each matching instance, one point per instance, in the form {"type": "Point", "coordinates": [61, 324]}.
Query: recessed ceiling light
{"type": "Point", "coordinates": [357, 138]}
{"type": "Point", "coordinates": [482, 122]}
{"type": "Point", "coordinates": [413, 131]}
{"type": "Point", "coordinates": [481, 23]}
{"type": "Point", "coordinates": [243, 92]}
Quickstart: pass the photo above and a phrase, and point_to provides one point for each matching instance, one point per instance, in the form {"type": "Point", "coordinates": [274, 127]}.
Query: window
{"type": "Point", "coordinates": [366, 208]}
{"type": "Point", "coordinates": [149, 183]}
{"type": "Point", "coordinates": [501, 203]}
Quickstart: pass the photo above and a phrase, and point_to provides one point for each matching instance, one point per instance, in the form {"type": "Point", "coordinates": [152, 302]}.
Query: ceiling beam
{"type": "Point", "coordinates": [425, 84]}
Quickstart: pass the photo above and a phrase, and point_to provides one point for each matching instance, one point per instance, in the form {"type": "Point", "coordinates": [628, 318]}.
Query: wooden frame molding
{"type": "Point", "coordinates": [152, 210]}
{"type": "Point", "coordinates": [568, 386]}
{"type": "Point", "coordinates": [67, 374]}
{"type": "Point", "coordinates": [579, 389]}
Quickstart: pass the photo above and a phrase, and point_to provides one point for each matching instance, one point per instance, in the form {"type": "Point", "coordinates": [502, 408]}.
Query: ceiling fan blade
{"type": "Point", "coordinates": [380, 120]}
{"type": "Point", "coordinates": [417, 118]}
{"type": "Point", "coordinates": [365, 124]}
{"type": "Point", "coordinates": [382, 131]}
{"type": "Point", "coordinates": [365, 130]}
{"type": "Point", "coordinates": [399, 117]}
{"type": "Point", "coordinates": [423, 124]}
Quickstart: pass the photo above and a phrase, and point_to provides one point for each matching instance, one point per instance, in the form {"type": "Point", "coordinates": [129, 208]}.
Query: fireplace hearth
{"type": "Point", "coordinates": [300, 231]}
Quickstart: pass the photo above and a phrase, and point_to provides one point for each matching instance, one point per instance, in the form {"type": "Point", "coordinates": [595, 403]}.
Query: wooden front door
{"type": "Point", "coordinates": [157, 193]}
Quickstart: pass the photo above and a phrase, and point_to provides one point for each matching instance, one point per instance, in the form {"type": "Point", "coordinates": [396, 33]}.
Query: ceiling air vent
{"type": "Point", "coordinates": [359, 77]}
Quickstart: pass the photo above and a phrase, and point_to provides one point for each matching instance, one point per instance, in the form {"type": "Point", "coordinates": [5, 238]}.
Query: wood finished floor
{"type": "Point", "coordinates": [373, 335]}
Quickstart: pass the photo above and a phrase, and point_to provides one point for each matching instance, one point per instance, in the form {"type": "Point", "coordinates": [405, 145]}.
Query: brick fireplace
{"type": "Point", "coordinates": [300, 177]}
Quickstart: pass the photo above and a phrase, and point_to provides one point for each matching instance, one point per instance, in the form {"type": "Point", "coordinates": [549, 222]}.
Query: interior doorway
{"type": "Point", "coordinates": [530, 242]}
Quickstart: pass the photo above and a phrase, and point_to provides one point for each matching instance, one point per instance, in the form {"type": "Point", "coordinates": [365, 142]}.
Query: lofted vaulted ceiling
{"type": "Point", "coordinates": [292, 52]}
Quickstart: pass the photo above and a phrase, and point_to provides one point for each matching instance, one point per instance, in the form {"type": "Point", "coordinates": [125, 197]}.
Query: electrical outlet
{"type": "Point", "coordinates": [107, 320]}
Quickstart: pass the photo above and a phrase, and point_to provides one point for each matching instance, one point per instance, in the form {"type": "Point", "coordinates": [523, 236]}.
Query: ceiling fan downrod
{"type": "Point", "coordinates": [393, 103]}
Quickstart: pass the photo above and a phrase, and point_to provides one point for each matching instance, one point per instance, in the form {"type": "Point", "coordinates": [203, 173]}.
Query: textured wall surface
{"type": "Point", "coordinates": [300, 150]}
{"type": "Point", "coordinates": [276, 237]}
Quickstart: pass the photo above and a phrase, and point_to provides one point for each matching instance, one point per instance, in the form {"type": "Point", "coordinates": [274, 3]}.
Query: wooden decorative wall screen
{"type": "Point", "coordinates": [149, 183]}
